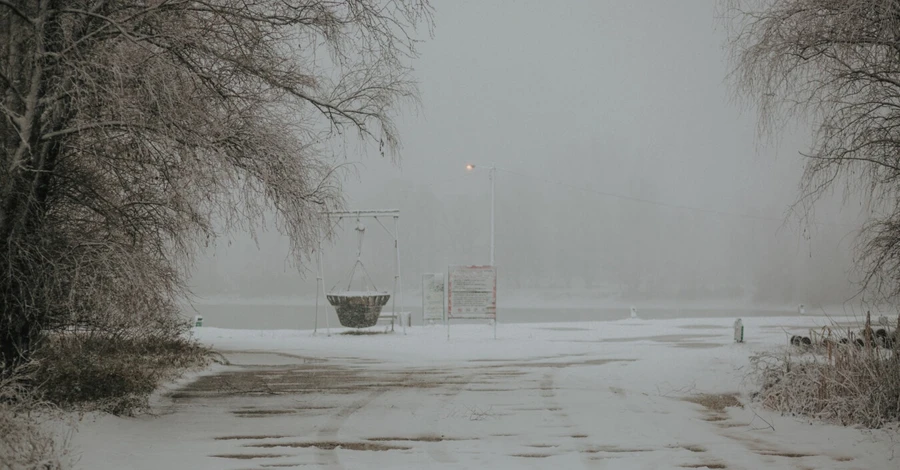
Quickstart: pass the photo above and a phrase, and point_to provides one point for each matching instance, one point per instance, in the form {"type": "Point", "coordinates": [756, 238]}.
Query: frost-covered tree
{"type": "Point", "coordinates": [835, 63]}
{"type": "Point", "coordinates": [133, 130]}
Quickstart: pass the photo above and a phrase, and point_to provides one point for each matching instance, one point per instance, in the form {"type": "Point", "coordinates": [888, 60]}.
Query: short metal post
{"type": "Point", "coordinates": [318, 280]}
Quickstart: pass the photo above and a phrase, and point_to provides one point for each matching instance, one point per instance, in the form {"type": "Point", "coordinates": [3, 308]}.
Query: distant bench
{"type": "Point", "coordinates": [389, 317]}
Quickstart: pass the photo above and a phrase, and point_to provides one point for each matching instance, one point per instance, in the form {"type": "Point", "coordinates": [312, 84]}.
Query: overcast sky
{"type": "Point", "coordinates": [629, 98]}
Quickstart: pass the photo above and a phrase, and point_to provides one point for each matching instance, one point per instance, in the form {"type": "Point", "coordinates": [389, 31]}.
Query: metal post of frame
{"type": "Point", "coordinates": [375, 214]}
{"type": "Point", "coordinates": [398, 281]}
{"type": "Point", "coordinates": [320, 277]}
{"type": "Point", "coordinates": [394, 296]}
{"type": "Point", "coordinates": [318, 281]}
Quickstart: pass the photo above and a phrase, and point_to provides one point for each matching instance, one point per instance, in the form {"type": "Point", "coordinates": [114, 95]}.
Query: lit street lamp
{"type": "Point", "coordinates": [492, 175]}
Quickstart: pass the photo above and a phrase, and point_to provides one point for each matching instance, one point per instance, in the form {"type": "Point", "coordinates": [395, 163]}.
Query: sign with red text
{"type": "Point", "coordinates": [472, 292]}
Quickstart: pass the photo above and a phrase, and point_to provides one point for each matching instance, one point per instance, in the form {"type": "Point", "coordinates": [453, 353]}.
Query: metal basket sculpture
{"type": "Point", "coordinates": [358, 309]}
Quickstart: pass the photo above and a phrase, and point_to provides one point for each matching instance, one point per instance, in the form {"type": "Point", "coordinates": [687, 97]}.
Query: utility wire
{"type": "Point", "coordinates": [661, 203]}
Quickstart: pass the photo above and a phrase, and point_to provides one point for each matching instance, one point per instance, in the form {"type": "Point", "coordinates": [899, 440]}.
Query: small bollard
{"type": "Point", "coordinates": [738, 331]}
{"type": "Point", "coordinates": [198, 320]}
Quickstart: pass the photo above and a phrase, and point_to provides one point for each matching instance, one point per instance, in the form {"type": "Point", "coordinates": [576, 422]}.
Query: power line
{"type": "Point", "coordinates": [661, 203]}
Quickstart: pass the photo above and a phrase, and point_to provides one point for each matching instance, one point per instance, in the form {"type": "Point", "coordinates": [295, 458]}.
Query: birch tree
{"type": "Point", "coordinates": [133, 132]}
{"type": "Point", "coordinates": [835, 64]}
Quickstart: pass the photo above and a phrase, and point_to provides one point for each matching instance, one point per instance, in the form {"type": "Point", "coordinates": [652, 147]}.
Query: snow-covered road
{"type": "Point", "coordinates": [618, 395]}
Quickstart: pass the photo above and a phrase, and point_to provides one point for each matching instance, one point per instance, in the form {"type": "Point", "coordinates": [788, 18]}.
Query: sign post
{"type": "Point", "coordinates": [472, 294]}
{"type": "Point", "coordinates": [433, 296]}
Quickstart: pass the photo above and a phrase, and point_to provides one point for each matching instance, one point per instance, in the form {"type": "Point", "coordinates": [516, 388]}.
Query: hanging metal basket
{"type": "Point", "coordinates": [358, 309]}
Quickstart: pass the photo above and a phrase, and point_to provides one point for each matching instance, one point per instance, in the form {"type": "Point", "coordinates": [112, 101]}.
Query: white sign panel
{"type": "Point", "coordinates": [472, 292]}
{"type": "Point", "coordinates": [433, 297]}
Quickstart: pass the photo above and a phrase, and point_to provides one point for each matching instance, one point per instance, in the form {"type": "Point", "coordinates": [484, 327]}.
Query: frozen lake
{"type": "Point", "coordinates": [270, 316]}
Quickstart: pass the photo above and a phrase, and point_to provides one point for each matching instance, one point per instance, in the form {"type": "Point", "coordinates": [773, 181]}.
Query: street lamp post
{"type": "Point", "coordinates": [492, 175]}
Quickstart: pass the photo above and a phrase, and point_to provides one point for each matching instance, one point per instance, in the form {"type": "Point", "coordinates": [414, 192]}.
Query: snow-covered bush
{"type": "Point", "coordinates": [111, 373]}
{"type": "Point", "coordinates": [841, 380]}
{"type": "Point", "coordinates": [24, 442]}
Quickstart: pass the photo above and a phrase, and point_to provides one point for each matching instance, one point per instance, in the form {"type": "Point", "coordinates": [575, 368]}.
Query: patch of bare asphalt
{"type": "Point", "coordinates": [303, 359]}
{"type": "Point", "coordinates": [262, 413]}
{"type": "Point", "coordinates": [722, 425]}
{"type": "Point", "coordinates": [331, 445]}
{"type": "Point", "coordinates": [313, 379]}
{"type": "Point", "coordinates": [249, 437]}
{"type": "Point", "coordinates": [787, 454]}
{"type": "Point", "coordinates": [564, 328]}
{"type": "Point", "coordinates": [416, 439]}
{"type": "Point", "coordinates": [688, 447]}
{"type": "Point", "coordinates": [704, 465]}
{"type": "Point", "coordinates": [761, 447]}
{"type": "Point", "coordinates": [507, 373]}
{"type": "Point", "coordinates": [715, 418]}
{"type": "Point", "coordinates": [491, 389]}
{"type": "Point", "coordinates": [528, 359]}
{"type": "Point", "coordinates": [536, 408]}
{"type": "Point", "coordinates": [249, 456]}
{"type": "Point", "coordinates": [614, 450]}
{"type": "Point", "coordinates": [695, 345]}
{"type": "Point", "coordinates": [558, 365]}
{"type": "Point", "coordinates": [497, 360]}
{"type": "Point", "coordinates": [661, 338]}
{"type": "Point", "coordinates": [704, 327]}
{"type": "Point", "coordinates": [532, 456]}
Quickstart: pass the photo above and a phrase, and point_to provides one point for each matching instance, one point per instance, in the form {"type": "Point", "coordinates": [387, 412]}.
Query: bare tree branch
{"type": "Point", "coordinates": [137, 132]}
{"type": "Point", "coordinates": [838, 64]}
{"type": "Point", "coordinates": [17, 11]}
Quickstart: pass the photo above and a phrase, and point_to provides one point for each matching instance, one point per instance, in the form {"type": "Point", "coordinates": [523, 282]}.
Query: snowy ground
{"type": "Point", "coordinates": [573, 395]}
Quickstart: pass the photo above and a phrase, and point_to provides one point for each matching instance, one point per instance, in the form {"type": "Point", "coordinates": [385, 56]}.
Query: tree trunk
{"type": "Point", "coordinates": [19, 328]}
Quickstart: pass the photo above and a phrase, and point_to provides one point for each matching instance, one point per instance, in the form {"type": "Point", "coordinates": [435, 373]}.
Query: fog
{"type": "Point", "coordinates": [625, 169]}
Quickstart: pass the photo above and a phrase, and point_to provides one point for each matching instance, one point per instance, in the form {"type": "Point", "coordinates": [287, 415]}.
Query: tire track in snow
{"type": "Point", "coordinates": [548, 394]}
{"type": "Point", "coordinates": [329, 432]}
{"type": "Point", "coordinates": [438, 451]}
